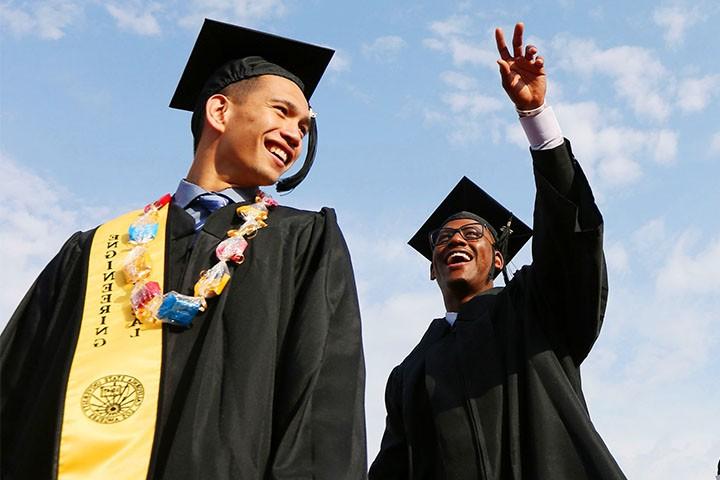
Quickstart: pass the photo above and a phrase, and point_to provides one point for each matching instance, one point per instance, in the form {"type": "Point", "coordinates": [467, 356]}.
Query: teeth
{"type": "Point", "coordinates": [458, 257]}
{"type": "Point", "coordinates": [279, 152]}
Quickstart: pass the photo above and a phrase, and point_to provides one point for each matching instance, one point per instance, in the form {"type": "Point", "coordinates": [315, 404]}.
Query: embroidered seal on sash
{"type": "Point", "coordinates": [112, 399]}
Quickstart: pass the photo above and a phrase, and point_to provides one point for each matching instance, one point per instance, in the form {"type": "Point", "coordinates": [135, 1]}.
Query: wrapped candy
{"type": "Point", "coordinates": [232, 248]}
{"type": "Point", "coordinates": [137, 265]}
{"type": "Point", "coordinates": [256, 211]}
{"type": "Point", "coordinates": [145, 228]}
{"type": "Point", "coordinates": [145, 299]}
{"type": "Point", "coordinates": [267, 200]}
{"type": "Point", "coordinates": [180, 309]}
{"type": "Point", "coordinates": [212, 282]}
{"type": "Point", "coordinates": [159, 203]}
{"type": "Point", "coordinates": [148, 302]}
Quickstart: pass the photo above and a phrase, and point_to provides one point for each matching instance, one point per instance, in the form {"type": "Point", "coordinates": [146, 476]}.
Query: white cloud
{"type": "Point", "coordinates": [46, 19]}
{"type": "Point", "coordinates": [617, 258]}
{"type": "Point", "coordinates": [608, 149]}
{"type": "Point", "coordinates": [451, 38]}
{"type": "Point", "coordinates": [694, 94]}
{"type": "Point", "coordinates": [458, 80]}
{"type": "Point", "coordinates": [666, 142]}
{"type": "Point", "coordinates": [33, 227]}
{"type": "Point", "coordinates": [638, 77]}
{"type": "Point", "coordinates": [676, 20]}
{"type": "Point", "coordinates": [656, 354]}
{"type": "Point", "coordinates": [473, 104]}
{"type": "Point", "coordinates": [715, 143]}
{"type": "Point", "coordinates": [340, 62]}
{"type": "Point", "coordinates": [391, 329]}
{"type": "Point", "coordinates": [244, 12]}
{"type": "Point", "coordinates": [464, 52]}
{"type": "Point", "coordinates": [384, 48]}
{"type": "Point", "coordinates": [138, 20]}
{"type": "Point", "coordinates": [684, 272]}
{"type": "Point", "coordinates": [650, 236]}
{"type": "Point", "coordinates": [454, 25]}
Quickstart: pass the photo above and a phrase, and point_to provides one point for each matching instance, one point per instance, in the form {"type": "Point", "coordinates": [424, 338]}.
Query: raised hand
{"type": "Point", "coordinates": [522, 74]}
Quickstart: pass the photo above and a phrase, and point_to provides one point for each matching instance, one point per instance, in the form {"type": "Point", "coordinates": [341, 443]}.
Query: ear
{"type": "Point", "coordinates": [432, 271]}
{"type": "Point", "coordinates": [499, 260]}
{"type": "Point", "coordinates": [216, 110]}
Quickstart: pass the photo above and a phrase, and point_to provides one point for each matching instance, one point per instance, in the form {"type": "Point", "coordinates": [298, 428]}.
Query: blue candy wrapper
{"type": "Point", "coordinates": [178, 309]}
{"type": "Point", "coordinates": [142, 233]}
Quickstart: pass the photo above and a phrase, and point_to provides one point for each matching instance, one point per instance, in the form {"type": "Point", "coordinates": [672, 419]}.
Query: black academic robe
{"type": "Point", "coordinates": [498, 395]}
{"type": "Point", "coordinates": [266, 384]}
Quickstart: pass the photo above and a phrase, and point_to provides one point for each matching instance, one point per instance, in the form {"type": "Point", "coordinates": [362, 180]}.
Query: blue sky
{"type": "Point", "coordinates": [411, 103]}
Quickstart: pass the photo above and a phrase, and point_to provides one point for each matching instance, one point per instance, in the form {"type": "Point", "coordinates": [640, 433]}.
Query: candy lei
{"type": "Point", "coordinates": [147, 300]}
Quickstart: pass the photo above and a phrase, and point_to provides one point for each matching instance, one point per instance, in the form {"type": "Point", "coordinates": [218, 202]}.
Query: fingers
{"type": "Point", "coordinates": [504, 68]}
{"type": "Point", "coordinates": [530, 52]}
{"type": "Point", "coordinates": [517, 39]}
{"type": "Point", "coordinates": [502, 48]}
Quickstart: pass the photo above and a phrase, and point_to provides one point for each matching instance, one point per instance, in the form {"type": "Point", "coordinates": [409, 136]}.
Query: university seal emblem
{"type": "Point", "coordinates": [112, 399]}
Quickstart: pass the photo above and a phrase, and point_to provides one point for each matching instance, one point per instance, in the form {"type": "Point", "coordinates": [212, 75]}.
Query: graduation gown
{"type": "Point", "coordinates": [267, 383]}
{"type": "Point", "coordinates": [498, 395]}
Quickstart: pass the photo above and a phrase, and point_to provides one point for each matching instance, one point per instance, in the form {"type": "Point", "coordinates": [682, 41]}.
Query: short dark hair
{"type": "Point", "coordinates": [237, 91]}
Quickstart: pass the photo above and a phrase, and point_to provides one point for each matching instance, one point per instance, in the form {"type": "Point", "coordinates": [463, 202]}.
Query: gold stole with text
{"type": "Point", "coordinates": [112, 392]}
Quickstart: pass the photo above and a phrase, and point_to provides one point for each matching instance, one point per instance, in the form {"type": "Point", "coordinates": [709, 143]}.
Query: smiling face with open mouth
{"type": "Point", "coordinates": [462, 267]}
{"type": "Point", "coordinates": [263, 132]}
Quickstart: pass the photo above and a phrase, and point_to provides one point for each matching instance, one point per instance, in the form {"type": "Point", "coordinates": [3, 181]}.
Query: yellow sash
{"type": "Point", "coordinates": [112, 391]}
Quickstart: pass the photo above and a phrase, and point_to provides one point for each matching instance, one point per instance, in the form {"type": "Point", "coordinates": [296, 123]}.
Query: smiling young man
{"type": "Point", "coordinates": [492, 390]}
{"type": "Point", "coordinates": [215, 335]}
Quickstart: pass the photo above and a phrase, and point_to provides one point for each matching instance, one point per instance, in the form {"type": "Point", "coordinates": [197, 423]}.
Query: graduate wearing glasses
{"type": "Point", "coordinates": [492, 390]}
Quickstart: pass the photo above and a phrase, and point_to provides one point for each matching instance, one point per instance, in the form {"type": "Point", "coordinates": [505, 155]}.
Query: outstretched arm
{"type": "Point", "coordinates": [568, 271]}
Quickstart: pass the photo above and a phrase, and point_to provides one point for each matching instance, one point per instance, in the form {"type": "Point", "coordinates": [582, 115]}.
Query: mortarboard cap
{"type": "Point", "coordinates": [469, 198]}
{"type": "Point", "coordinates": [224, 54]}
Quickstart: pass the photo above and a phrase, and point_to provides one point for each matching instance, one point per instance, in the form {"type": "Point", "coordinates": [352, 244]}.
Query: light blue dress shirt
{"type": "Point", "coordinates": [187, 192]}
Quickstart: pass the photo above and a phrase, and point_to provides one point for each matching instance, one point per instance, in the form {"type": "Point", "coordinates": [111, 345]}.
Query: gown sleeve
{"type": "Point", "coordinates": [33, 350]}
{"type": "Point", "coordinates": [319, 424]}
{"type": "Point", "coordinates": [568, 270]}
{"type": "Point", "coordinates": [392, 460]}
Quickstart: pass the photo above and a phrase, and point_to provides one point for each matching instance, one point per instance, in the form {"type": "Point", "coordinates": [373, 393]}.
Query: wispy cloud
{"type": "Point", "coordinates": [676, 20]}
{"type": "Point", "coordinates": [636, 74]}
{"type": "Point", "coordinates": [467, 110]}
{"type": "Point", "coordinates": [459, 81]}
{"type": "Point", "coordinates": [245, 12]}
{"type": "Point", "coordinates": [611, 152]}
{"type": "Point", "coordinates": [29, 234]}
{"type": "Point", "coordinates": [140, 19]}
{"type": "Point", "coordinates": [715, 143]}
{"type": "Point", "coordinates": [391, 328]}
{"type": "Point", "coordinates": [617, 258]}
{"type": "Point", "coordinates": [44, 19]}
{"type": "Point", "coordinates": [659, 336]}
{"type": "Point", "coordinates": [690, 269]}
{"type": "Point", "coordinates": [451, 37]}
{"type": "Point", "coordinates": [384, 49]}
{"type": "Point", "coordinates": [340, 62]}
{"type": "Point", "coordinates": [694, 94]}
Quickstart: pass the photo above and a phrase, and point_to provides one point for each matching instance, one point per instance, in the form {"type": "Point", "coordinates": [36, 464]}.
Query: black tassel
{"type": "Point", "coordinates": [287, 184]}
{"type": "Point", "coordinates": [504, 240]}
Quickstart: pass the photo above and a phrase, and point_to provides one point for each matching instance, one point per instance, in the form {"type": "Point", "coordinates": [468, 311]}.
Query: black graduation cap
{"type": "Point", "coordinates": [224, 54]}
{"type": "Point", "coordinates": [468, 197]}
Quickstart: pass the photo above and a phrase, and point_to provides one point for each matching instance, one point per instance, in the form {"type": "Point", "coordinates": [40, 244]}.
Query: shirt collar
{"type": "Point", "coordinates": [450, 317]}
{"type": "Point", "coordinates": [188, 191]}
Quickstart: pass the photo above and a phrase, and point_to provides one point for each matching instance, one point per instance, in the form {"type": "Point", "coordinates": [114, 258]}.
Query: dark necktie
{"type": "Point", "coordinates": [206, 204]}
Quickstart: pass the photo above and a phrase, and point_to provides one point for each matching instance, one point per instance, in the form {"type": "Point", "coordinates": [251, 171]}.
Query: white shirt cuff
{"type": "Point", "coordinates": [542, 130]}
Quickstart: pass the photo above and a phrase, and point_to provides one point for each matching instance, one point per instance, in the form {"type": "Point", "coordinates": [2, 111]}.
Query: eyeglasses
{"type": "Point", "coordinates": [472, 232]}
